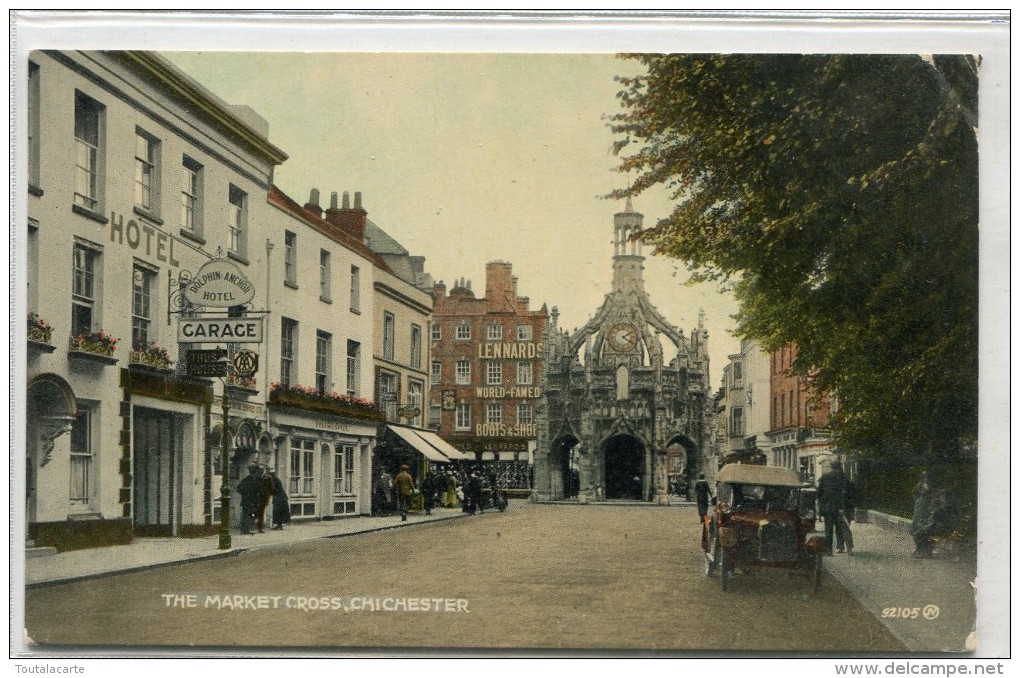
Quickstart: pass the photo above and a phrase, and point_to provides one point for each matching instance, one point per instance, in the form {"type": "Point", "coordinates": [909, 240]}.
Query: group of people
{"type": "Point", "coordinates": [260, 487]}
{"type": "Point", "coordinates": [450, 488]}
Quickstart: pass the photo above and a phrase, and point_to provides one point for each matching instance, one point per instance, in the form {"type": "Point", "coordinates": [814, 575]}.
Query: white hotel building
{"type": "Point", "coordinates": [137, 176]}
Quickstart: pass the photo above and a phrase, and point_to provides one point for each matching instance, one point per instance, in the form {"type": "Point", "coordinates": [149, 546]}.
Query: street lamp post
{"type": "Point", "coordinates": [224, 472]}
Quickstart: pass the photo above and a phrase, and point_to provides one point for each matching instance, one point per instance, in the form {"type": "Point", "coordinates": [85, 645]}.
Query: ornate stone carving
{"type": "Point", "coordinates": [51, 428]}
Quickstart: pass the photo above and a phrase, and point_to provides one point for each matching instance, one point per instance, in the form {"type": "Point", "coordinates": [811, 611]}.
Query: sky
{"type": "Point", "coordinates": [470, 158]}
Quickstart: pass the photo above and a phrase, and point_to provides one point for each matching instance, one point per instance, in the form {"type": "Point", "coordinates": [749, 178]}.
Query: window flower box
{"type": "Point", "coordinates": [93, 346]}
{"type": "Point", "coordinates": [327, 402]}
{"type": "Point", "coordinates": [39, 331]}
{"type": "Point", "coordinates": [151, 355]}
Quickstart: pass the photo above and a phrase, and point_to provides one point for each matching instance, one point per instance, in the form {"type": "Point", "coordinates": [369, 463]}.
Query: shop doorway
{"type": "Point", "coordinates": [624, 457]}
{"type": "Point", "coordinates": [158, 461]}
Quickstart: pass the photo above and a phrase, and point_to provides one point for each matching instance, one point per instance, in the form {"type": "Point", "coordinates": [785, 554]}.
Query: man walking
{"type": "Point", "coordinates": [248, 488]}
{"type": "Point", "coordinates": [701, 494]}
{"type": "Point", "coordinates": [832, 503]}
{"type": "Point", "coordinates": [403, 483]}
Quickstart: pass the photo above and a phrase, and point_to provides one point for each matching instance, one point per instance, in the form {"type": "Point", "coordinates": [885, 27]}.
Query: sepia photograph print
{"type": "Point", "coordinates": [358, 337]}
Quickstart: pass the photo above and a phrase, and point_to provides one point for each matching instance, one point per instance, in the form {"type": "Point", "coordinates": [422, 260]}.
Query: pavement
{"type": "Point", "coordinates": [927, 604]}
{"type": "Point", "coordinates": [144, 553]}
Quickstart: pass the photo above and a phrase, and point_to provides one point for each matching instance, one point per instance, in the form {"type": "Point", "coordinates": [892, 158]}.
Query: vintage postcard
{"type": "Point", "coordinates": [371, 335]}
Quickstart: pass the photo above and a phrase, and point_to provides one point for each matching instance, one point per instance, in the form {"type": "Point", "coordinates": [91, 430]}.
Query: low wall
{"type": "Point", "coordinates": [70, 535]}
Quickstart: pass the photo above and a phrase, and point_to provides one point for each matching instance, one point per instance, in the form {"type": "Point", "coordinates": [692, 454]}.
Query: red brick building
{"type": "Point", "coordinates": [799, 433]}
{"type": "Point", "coordinates": [486, 371]}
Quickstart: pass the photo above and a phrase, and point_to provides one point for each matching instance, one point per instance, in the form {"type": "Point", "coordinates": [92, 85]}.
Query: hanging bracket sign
{"type": "Point", "coordinates": [219, 284]}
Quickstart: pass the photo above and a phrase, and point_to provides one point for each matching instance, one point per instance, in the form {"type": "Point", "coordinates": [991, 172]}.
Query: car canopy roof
{"type": "Point", "coordinates": [754, 474]}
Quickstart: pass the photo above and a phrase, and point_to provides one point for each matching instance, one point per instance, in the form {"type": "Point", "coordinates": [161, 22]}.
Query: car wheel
{"type": "Point", "coordinates": [725, 570]}
{"type": "Point", "coordinates": [816, 574]}
{"type": "Point", "coordinates": [708, 564]}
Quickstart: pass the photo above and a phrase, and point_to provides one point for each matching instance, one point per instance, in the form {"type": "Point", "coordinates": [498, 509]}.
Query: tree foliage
{"type": "Point", "coordinates": [838, 194]}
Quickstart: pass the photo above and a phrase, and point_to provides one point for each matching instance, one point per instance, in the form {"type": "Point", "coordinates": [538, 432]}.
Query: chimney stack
{"type": "Point", "coordinates": [312, 206]}
{"type": "Point", "coordinates": [350, 221]}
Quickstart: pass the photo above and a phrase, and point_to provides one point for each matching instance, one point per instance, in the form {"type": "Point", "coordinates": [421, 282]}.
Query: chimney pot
{"type": "Point", "coordinates": [347, 200]}
{"type": "Point", "coordinates": [314, 197]}
{"type": "Point", "coordinates": [357, 200]}
{"type": "Point", "coordinates": [332, 200]}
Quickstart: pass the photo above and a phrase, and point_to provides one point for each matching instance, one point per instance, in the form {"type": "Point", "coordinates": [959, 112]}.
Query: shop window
{"type": "Point", "coordinates": [343, 470]}
{"type": "Point", "coordinates": [302, 467]}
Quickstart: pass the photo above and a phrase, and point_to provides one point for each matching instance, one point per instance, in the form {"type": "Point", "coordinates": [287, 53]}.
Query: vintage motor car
{"type": "Point", "coordinates": [762, 518]}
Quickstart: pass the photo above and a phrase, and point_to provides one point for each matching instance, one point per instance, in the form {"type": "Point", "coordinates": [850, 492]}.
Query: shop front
{"type": "Point", "coordinates": [324, 462]}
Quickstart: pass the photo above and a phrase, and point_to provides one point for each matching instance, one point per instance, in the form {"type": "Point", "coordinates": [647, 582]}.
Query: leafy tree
{"type": "Point", "coordinates": [838, 196]}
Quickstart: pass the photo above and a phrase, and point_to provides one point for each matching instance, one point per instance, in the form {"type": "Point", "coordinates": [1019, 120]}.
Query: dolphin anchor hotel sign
{"type": "Point", "coordinates": [219, 284]}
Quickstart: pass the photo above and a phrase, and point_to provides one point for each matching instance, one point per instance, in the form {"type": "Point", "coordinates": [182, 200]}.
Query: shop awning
{"type": "Point", "coordinates": [411, 437]}
{"type": "Point", "coordinates": [445, 447]}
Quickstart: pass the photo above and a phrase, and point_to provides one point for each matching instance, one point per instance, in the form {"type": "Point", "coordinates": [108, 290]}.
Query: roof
{"type": "Point", "coordinates": [203, 101]}
{"type": "Point", "coordinates": [286, 203]}
{"type": "Point", "coordinates": [380, 241]}
{"type": "Point", "coordinates": [755, 474]}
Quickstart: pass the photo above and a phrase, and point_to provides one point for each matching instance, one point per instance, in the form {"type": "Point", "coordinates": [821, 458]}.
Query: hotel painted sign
{"type": "Point", "coordinates": [220, 284]}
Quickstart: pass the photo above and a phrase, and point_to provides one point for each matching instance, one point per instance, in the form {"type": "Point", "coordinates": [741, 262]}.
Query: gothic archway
{"type": "Point", "coordinates": [624, 467]}
{"type": "Point", "coordinates": [563, 473]}
{"type": "Point", "coordinates": [682, 454]}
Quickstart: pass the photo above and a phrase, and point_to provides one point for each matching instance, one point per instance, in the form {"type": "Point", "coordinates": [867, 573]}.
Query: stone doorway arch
{"type": "Point", "coordinates": [625, 468]}
{"type": "Point", "coordinates": [564, 476]}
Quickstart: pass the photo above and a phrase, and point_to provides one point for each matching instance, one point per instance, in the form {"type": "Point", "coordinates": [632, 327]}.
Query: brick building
{"type": "Point", "coordinates": [486, 364]}
{"type": "Point", "coordinates": [799, 434]}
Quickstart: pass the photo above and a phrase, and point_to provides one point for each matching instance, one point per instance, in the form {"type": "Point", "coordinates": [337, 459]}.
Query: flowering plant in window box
{"type": "Point", "coordinates": [332, 402]}
{"type": "Point", "coordinates": [150, 354]}
{"type": "Point", "coordinates": [97, 343]}
{"type": "Point", "coordinates": [38, 329]}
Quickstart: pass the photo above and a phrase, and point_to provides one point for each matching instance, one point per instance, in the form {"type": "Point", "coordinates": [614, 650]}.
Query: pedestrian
{"type": "Point", "coordinates": [381, 493]}
{"type": "Point", "coordinates": [922, 528]}
{"type": "Point", "coordinates": [832, 501]}
{"type": "Point", "coordinates": [429, 487]}
{"type": "Point", "coordinates": [403, 484]}
{"type": "Point", "coordinates": [701, 494]}
{"type": "Point", "coordinates": [265, 496]}
{"type": "Point", "coordinates": [451, 490]}
{"type": "Point", "coordinates": [281, 502]}
{"type": "Point", "coordinates": [474, 493]}
{"type": "Point", "coordinates": [248, 488]}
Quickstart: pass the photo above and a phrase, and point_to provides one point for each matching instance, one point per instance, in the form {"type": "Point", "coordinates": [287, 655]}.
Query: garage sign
{"type": "Point", "coordinates": [220, 330]}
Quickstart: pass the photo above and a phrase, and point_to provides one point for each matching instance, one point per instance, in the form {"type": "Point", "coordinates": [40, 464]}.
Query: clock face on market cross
{"type": "Point", "coordinates": [622, 337]}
